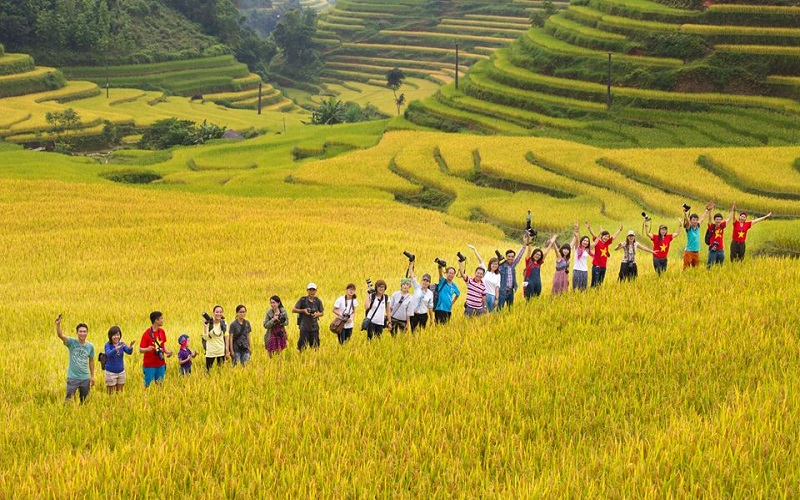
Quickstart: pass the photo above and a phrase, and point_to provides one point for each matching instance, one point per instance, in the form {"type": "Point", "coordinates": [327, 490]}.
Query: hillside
{"type": "Point", "coordinates": [721, 75]}
{"type": "Point", "coordinates": [99, 32]}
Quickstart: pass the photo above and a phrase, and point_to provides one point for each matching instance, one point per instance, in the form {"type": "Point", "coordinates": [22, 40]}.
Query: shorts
{"type": "Point", "coordinates": [81, 386]}
{"type": "Point", "coordinates": [114, 379]}
{"type": "Point", "coordinates": [154, 374]}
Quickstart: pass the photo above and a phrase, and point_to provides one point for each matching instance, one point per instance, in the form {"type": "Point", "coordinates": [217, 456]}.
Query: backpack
{"type": "Point", "coordinates": [709, 235]}
{"type": "Point", "coordinates": [435, 289]}
{"type": "Point", "coordinates": [101, 358]}
{"type": "Point", "coordinates": [304, 304]}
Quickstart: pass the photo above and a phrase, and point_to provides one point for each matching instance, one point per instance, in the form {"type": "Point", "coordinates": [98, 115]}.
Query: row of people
{"type": "Point", "coordinates": [492, 287]}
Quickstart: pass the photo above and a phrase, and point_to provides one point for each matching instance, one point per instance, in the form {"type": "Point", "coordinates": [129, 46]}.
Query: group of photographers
{"type": "Point", "coordinates": [492, 287]}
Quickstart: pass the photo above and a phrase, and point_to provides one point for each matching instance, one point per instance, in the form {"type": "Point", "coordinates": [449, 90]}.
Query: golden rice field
{"type": "Point", "coordinates": [22, 118]}
{"type": "Point", "coordinates": [675, 386]}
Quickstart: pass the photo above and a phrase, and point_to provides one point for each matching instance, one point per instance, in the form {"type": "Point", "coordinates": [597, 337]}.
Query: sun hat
{"type": "Point", "coordinates": [631, 233]}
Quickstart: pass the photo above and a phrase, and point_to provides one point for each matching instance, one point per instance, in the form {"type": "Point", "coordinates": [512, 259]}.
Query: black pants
{"type": "Point", "coordinates": [419, 321]}
{"type": "Point", "coordinates": [737, 250]}
{"type": "Point", "coordinates": [345, 335]}
{"type": "Point", "coordinates": [660, 265]}
{"type": "Point", "coordinates": [308, 338]}
{"type": "Point", "coordinates": [210, 362]}
{"type": "Point", "coordinates": [628, 272]}
{"type": "Point", "coordinates": [398, 325]}
{"type": "Point", "coordinates": [374, 330]}
{"type": "Point", "coordinates": [442, 317]}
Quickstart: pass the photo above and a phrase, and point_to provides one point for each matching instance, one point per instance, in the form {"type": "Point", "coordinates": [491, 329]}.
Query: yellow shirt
{"type": "Point", "coordinates": [215, 341]}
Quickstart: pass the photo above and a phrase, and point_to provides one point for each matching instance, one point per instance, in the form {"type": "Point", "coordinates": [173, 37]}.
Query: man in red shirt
{"type": "Point", "coordinates": [601, 251]}
{"type": "Point", "coordinates": [716, 245]}
{"type": "Point", "coordinates": [739, 238]}
{"type": "Point", "coordinates": [661, 243]}
{"type": "Point", "coordinates": [152, 345]}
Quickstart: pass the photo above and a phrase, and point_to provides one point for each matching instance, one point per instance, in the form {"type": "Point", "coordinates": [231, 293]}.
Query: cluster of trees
{"type": "Point", "coordinates": [170, 132]}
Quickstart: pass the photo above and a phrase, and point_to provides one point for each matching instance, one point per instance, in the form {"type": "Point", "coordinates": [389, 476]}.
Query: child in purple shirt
{"type": "Point", "coordinates": [185, 355]}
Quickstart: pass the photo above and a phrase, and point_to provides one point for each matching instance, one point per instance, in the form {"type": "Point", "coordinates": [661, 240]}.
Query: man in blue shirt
{"type": "Point", "coordinates": [80, 375]}
{"type": "Point", "coordinates": [448, 294]}
{"type": "Point", "coordinates": [691, 256]}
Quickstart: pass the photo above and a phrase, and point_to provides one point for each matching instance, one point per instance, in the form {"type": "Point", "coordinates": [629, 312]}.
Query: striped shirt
{"type": "Point", "coordinates": [475, 292]}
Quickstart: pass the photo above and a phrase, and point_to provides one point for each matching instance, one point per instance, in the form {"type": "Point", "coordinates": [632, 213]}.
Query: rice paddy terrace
{"type": "Point", "coordinates": [728, 74]}
{"type": "Point", "coordinates": [365, 39]}
{"type": "Point", "coordinates": [28, 93]}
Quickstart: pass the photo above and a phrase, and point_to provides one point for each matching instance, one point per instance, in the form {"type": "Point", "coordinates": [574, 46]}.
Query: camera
{"type": "Point", "coordinates": [461, 257]}
{"type": "Point", "coordinates": [440, 262]}
{"type": "Point", "coordinates": [500, 258]}
{"type": "Point", "coordinates": [528, 229]}
{"type": "Point", "coordinates": [645, 216]}
{"type": "Point", "coordinates": [714, 246]}
{"type": "Point", "coordinates": [410, 256]}
{"type": "Point", "coordinates": [160, 353]}
{"type": "Point", "coordinates": [208, 319]}
{"type": "Point", "coordinates": [370, 286]}
{"type": "Point", "coordinates": [686, 207]}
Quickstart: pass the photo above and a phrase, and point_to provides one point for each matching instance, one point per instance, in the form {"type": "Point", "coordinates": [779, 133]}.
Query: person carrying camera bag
{"type": "Point", "coordinates": [402, 307]}
{"type": "Point", "coordinates": [309, 309]}
{"type": "Point", "coordinates": [627, 269]}
{"type": "Point", "coordinates": [154, 349]}
{"type": "Point", "coordinates": [215, 333]}
{"type": "Point", "coordinates": [378, 311]}
{"type": "Point", "coordinates": [344, 309]}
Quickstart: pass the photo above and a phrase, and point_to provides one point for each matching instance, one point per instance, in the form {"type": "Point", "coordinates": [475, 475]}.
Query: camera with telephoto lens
{"type": "Point", "coordinates": [461, 257]}
{"type": "Point", "coordinates": [645, 216]}
{"type": "Point", "coordinates": [528, 229]}
{"type": "Point", "coordinates": [370, 286]}
{"type": "Point", "coordinates": [500, 258]}
{"type": "Point", "coordinates": [686, 207]}
{"type": "Point", "coordinates": [208, 319]}
{"type": "Point", "coordinates": [410, 256]}
{"type": "Point", "coordinates": [440, 262]}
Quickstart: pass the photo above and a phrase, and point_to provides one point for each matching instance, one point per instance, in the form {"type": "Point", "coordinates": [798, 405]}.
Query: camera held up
{"type": "Point", "coordinates": [528, 229]}
{"type": "Point", "coordinates": [208, 319]}
{"type": "Point", "coordinates": [686, 207]}
{"type": "Point", "coordinates": [461, 257]}
{"type": "Point", "coordinates": [440, 262]}
{"type": "Point", "coordinates": [370, 286]}
{"type": "Point", "coordinates": [410, 256]}
{"type": "Point", "coordinates": [500, 257]}
{"type": "Point", "coordinates": [644, 214]}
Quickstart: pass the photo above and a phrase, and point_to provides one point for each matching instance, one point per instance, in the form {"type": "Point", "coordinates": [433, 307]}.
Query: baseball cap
{"type": "Point", "coordinates": [311, 286]}
{"type": "Point", "coordinates": [426, 277]}
{"type": "Point", "coordinates": [631, 233]}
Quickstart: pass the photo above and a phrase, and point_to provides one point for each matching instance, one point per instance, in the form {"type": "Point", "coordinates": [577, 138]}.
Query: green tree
{"type": "Point", "coordinates": [294, 39]}
{"type": "Point", "coordinates": [329, 112]}
{"type": "Point", "coordinates": [394, 80]}
{"type": "Point", "coordinates": [63, 123]}
{"type": "Point", "coordinates": [538, 17]}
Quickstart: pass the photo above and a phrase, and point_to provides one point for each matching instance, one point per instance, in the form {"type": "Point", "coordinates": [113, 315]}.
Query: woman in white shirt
{"type": "Point", "coordinates": [378, 311]}
{"type": "Point", "coordinates": [582, 250]}
{"type": "Point", "coordinates": [345, 308]}
{"type": "Point", "coordinates": [402, 306]}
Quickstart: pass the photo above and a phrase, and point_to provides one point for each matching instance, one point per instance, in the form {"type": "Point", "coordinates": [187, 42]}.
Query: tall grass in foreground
{"type": "Point", "coordinates": [683, 385]}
